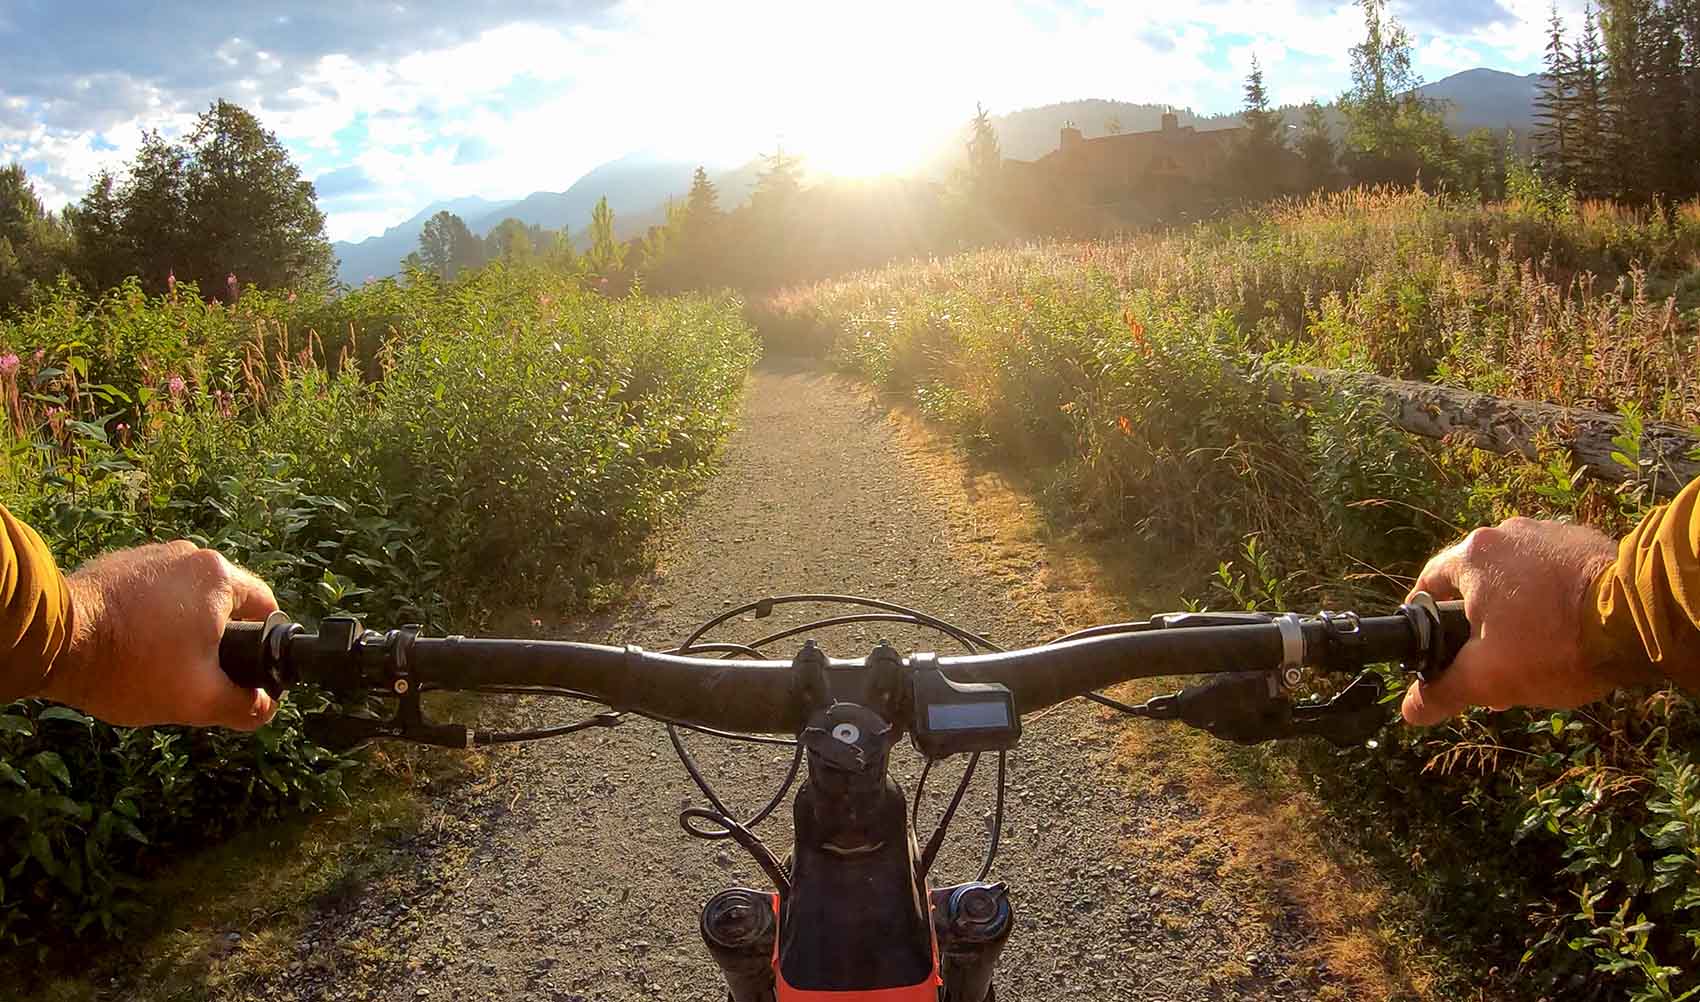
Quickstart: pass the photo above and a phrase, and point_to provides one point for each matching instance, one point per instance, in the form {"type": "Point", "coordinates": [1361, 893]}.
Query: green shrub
{"type": "Point", "coordinates": [418, 453]}
{"type": "Point", "coordinates": [1130, 373]}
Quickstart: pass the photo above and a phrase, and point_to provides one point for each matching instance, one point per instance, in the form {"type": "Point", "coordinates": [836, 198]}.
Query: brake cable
{"type": "Point", "coordinates": [742, 833]}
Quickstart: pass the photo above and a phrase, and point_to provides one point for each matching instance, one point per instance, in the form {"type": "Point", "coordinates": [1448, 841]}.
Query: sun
{"type": "Point", "coordinates": [870, 141]}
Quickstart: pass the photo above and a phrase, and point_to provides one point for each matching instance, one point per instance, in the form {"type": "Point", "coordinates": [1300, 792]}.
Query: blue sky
{"type": "Point", "coordinates": [390, 106]}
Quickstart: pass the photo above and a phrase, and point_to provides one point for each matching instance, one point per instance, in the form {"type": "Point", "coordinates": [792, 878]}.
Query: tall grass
{"type": "Point", "coordinates": [1126, 375]}
{"type": "Point", "coordinates": [411, 454]}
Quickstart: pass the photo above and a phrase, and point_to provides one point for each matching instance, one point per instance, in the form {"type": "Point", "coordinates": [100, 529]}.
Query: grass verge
{"type": "Point", "coordinates": [1259, 828]}
{"type": "Point", "coordinates": [227, 922]}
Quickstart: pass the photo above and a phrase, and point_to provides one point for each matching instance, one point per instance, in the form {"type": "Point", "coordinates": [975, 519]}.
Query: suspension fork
{"type": "Point", "coordinates": [739, 929]}
{"type": "Point", "coordinates": [971, 923]}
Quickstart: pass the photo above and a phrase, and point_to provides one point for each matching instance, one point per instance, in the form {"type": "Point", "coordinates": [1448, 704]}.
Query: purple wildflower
{"type": "Point", "coordinates": [175, 385]}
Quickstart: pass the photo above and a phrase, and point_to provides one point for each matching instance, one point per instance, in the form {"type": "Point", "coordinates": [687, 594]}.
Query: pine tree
{"type": "Point", "coordinates": [702, 205]}
{"type": "Point", "coordinates": [1688, 25]}
{"type": "Point", "coordinates": [1257, 167]}
{"type": "Point", "coordinates": [1627, 98]}
{"type": "Point", "coordinates": [1316, 149]}
{"type": "Point", "coordinates": [1263, 127]}
{"type": "Point", "coordinates": [985, 156]}
{"type": "Point", "coordinates": [606, 255]}
{"type": "Point", "coordinates": [1586, 168]}
{"type": "Point", "coordinates": [779, 182]}
{"type": "Point", "coordinates": [1669, 159]}
{"type": "Point", "coordinates": [1555, 102]}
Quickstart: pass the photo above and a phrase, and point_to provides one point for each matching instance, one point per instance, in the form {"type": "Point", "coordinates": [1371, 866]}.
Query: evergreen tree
{"type": "Point", "coordinates": [1256, 165]}
{"type": "Point", "coordinates": [1669, 159]}
{"type": "Point", "coordinates": [1316, 149]}
{"type": "Point", "coordinates": [985, 156]}
{"type": "Point", "coordinates": [1688, 25]}
{"type": "Point", "coordinates": [1627, 98]}
{"type": "Point", "coordinates": [702, 205]}
{"type": "Point", "coordinates": [778, 183]}
{"type": "Point", "coordinates": [1263, 127]}
{"type": "Point", "coordinates": [1555, 102]}
{"type": "Point", "coordinates": [1586, 167]}
{"type": "Point", "coordinates": [35, 245]}
{"type": "Point", "coordinates": [606, 255]}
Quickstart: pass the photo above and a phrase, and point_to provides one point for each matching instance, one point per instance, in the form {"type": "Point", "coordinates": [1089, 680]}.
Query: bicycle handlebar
{"type": "Point", "coordinates": [766, 696]}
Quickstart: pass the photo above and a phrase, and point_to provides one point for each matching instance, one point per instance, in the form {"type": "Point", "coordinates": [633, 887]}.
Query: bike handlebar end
{"type": "Point", "coordinates": [251, 654]}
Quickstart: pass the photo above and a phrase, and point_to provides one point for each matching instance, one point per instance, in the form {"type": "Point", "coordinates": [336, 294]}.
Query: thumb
{"type": "Point", "coordinates": [243, 709]}
{"type": "Point", "coordinates": [219, 702]}
{"type": "Point", "coordinates": [1456, 690]}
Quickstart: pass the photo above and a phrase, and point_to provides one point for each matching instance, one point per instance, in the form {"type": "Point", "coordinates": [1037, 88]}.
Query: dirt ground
{"type": "Point", "coordinates": [566, 875]}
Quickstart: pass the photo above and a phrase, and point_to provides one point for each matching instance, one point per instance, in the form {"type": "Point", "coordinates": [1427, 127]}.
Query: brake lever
{"type": "Point", "coordinates": [1353, 716]}
{"type": "Point", "coordinates": [1246, 708]}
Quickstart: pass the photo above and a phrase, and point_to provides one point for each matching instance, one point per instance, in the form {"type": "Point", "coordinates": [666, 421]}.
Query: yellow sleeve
{"type": "Point", "coordinates": [1645, 608]}
{"type": "Point", "coordinates": [35, 610]}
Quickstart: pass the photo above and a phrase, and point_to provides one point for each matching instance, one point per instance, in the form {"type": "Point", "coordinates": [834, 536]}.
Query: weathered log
{"type": "Point", "coordinates": [1504, 426]}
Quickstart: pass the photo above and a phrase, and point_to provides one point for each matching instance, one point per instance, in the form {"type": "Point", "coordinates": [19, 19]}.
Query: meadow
{"type": "Point", "coordinates": [539, 429]}
{"type": "Point", "coordinates": [1131, 379]}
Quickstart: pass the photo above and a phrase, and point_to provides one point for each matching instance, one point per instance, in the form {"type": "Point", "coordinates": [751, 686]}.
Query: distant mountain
{"type": "Point", "coordinates": [632, 183]}
{"type": "Point", "coordinates": [1484, 98]}
{"type": "Point", "coordinates": [380, 256]}
{"type": "Point", "coordinates": [638, 186]}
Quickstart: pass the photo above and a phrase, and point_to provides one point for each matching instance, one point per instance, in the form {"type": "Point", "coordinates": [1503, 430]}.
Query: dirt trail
{"type": "Point", "coordinates": [566, 877]}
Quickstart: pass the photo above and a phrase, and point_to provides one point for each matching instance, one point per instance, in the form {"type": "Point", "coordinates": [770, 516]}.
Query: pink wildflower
{"type": "Point", "coordinates": [8, 363]}
{"type": "Point", "coordinates": [40, 353]}
{"type": "Point", "coordinates": [175, 386]}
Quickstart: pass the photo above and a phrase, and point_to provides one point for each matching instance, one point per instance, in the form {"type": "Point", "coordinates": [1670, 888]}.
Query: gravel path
{"type": "Point", "coordinates": [566, 876]}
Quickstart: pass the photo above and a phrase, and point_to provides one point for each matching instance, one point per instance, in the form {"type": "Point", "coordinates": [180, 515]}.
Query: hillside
{"type": "Point", "coordinates": [639, 185]}
{"type": "Point", "coordinates": [376, 257]}
{"type": "Point", "coordinates": [1484, 98]}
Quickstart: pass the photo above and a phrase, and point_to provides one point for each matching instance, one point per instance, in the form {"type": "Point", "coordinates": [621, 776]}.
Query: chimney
{"type": "Point", "coordinates": [1171, 121]}
{"type": "Point", "coordinates": [1070, 136]}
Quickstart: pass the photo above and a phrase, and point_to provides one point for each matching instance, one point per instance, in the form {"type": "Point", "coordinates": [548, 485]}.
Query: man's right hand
{"type": "Point", "coordinates": [1524, 584]}
{"type": "Point", "coordinates": [145, 646]}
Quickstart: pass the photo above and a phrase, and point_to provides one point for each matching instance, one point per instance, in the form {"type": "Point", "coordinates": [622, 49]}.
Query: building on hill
{"type": "Point", "coordinates": [1128, 179]}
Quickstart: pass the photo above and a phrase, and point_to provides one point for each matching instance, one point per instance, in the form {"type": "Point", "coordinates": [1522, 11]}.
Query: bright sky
{"type": "Point", "coordinates": [391, 106]}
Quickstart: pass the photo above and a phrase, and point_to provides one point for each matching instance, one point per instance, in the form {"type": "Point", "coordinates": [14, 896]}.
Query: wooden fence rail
{"type": "Point", "coordinates": [1507, 427]}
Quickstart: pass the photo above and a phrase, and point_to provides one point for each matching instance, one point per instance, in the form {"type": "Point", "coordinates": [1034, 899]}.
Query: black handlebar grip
{"type": "Point", "coordinates": [1452, 633]}
{"type": "Point", "coordinates": [246, 654]}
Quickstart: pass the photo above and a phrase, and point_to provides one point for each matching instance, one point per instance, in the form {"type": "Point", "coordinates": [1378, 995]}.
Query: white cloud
{"type": "Point", "coordinates": [550, 98]}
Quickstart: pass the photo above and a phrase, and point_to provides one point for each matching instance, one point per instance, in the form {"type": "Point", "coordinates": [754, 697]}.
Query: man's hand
{"type": "Point", "coordinates": [145, 648]}
{"type": "Point", "coordinates": [1523, 585]}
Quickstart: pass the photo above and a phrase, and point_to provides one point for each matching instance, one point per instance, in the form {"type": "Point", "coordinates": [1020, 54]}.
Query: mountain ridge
{"type": "Point", "coordinates": [639, 185]}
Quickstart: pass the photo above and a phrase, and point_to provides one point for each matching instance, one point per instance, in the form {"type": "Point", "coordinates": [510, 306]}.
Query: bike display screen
{"type": "Point", "coordinates": [978, 715]}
